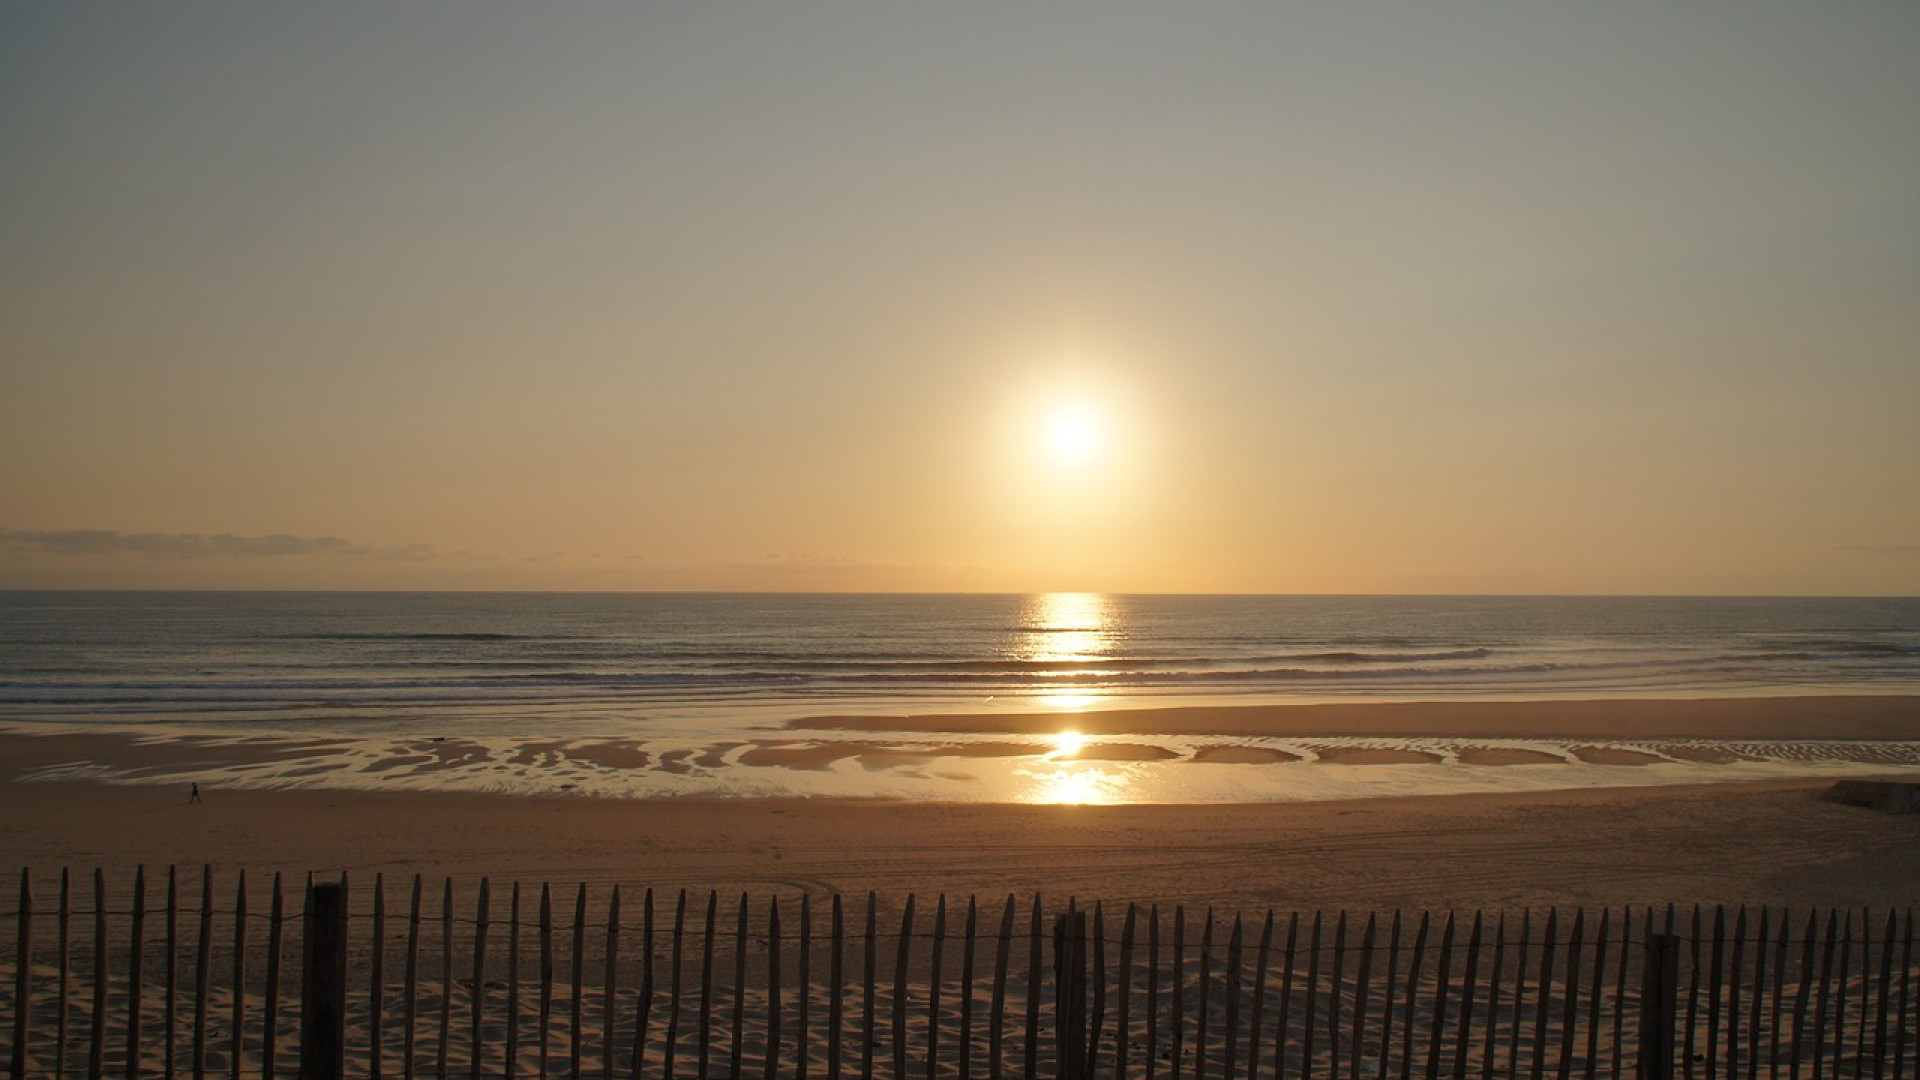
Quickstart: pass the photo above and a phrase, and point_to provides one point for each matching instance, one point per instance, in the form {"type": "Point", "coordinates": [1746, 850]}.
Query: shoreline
{"type": "Point", "coordinates": [1784, 716]}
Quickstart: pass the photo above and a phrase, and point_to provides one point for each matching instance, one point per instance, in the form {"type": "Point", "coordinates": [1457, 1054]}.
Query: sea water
{"type": "Point", "coordinates": [715, 669]}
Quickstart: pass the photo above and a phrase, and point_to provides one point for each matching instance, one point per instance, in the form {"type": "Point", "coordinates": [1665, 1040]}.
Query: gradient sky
{"type": "Point", "coordinates": [1353, 297]}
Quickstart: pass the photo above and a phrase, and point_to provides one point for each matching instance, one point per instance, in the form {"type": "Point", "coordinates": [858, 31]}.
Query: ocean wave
{"type": "Point", "coordinates": [1452, 670]}
{"type": "Point", "coordinates": [1007, 667]}
{"type": "Point", "coordinates": [416, 636]}
{"type": "Point", "coordinates": [1014, 665]}
{"type": "Point", "coordinates": [370, 660]}
{"type": "Point", "coordinates": [1350, 657]}
{"type": "Point", "coordinates": [1843, 647]}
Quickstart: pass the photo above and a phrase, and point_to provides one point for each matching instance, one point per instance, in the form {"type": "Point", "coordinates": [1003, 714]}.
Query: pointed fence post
{"type": "Point", "coordinates": [323, 987]}
{"type": "Point", "coordinates": [18, 1060]}
{"type": "Point", "coordinates": [1659, 1006]}
{"type": "Point", "coordinates": [1070, 993]}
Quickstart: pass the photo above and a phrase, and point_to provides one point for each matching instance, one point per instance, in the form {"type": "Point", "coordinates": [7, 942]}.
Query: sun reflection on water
{"type": "Point", "coordinates": [1066, 636]}
{"type": "Point", "coordinates": [1069, 702]}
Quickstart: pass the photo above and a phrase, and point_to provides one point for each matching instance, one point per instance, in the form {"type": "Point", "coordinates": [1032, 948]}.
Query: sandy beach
{"type": "Point", "coordinates": [1770, 840]}
{"type": "Point", "coordinates": [1741, 842]}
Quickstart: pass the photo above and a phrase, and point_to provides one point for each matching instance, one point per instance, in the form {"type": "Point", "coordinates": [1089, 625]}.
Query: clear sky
{"type": "Point", "coordinates": [1277, 297]}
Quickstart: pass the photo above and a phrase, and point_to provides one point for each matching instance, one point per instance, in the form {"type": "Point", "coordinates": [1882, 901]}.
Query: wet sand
{"type": "Point", "coordinates": [1746, 840]}
{"type": "Point", "coordinates": [1760, 718]}
{"type": "Point", "coordinates": [1224, 754]}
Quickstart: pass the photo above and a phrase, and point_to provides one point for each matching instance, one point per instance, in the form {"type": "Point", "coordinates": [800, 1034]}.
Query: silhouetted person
{"type": "Point", "coordinates": [195, 797]}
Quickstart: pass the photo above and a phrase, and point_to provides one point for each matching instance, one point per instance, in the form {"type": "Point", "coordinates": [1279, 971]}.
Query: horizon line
{"type": "Point", "coordinates": [1331, 594]}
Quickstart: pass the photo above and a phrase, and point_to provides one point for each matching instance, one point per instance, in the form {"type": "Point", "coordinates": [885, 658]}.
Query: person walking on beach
{"type": "Point", "coordinates": [195, 797]}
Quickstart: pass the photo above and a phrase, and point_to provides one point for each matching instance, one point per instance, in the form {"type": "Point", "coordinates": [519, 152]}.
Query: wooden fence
{"type": "Point", "coordinates": [182, 975]}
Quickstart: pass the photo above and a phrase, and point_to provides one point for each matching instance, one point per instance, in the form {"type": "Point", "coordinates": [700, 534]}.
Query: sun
{"type": "Point", "coordinates": [1074, 434]}
{"type": "Point", "coordinates": [1067, 454]}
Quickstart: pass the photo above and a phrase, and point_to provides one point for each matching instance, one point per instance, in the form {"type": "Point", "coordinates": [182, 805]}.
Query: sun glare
{"type": "Point", "coordinates": [1074, 435]}
{"type": "Point", "coordinates": [1069, 702]}
{"type": "Point", "coordinates": [1080, 786]}
{"type": "Point", "coordinates": [1070, 453]}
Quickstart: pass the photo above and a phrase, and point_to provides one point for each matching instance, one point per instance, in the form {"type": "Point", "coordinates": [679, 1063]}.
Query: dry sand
{"type": "Point", "coordinates": [1770, 842]}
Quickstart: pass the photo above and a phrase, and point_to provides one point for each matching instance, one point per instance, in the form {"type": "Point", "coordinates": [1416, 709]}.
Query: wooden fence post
{"type": "Point", "coordinates": [1659, 1003]}
{"type": "Point", "coordinates": [136, 979]}
{"type": "Point", "coordinates": [97, 1030]}
{"type": "Point", "coordinates": [323, 987]}
{"type": "Point", "coordinates": [1838, 1004]}
{"type": "Point", "coordinates": [1070, 989]}
{"type": "Point", "coordinates": [22, 982]}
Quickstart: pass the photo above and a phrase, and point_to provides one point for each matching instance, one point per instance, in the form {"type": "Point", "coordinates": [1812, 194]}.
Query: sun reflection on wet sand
{"type": "Point", "coordinates": [1057, 778]}
{"type": "Point", "coordinates": [1079, 785]}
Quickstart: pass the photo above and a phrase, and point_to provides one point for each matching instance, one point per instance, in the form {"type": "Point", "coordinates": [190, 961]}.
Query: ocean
{"type": "Point", "coordinates": [707, 670]}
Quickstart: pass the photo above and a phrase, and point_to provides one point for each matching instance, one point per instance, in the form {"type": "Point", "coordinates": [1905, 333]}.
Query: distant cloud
{"type": "Point", "coordinates": [93, 542]}
{"type": "Point", "coordinates": [1892, 551]}
{"type": "Point", "coordinates": [782, 571]}
{"type": "Point", "coordinates": [813, 562]}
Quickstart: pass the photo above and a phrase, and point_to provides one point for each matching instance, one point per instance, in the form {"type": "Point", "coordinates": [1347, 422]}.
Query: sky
{"type": "Point", "coordinates": [1383, 297]}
